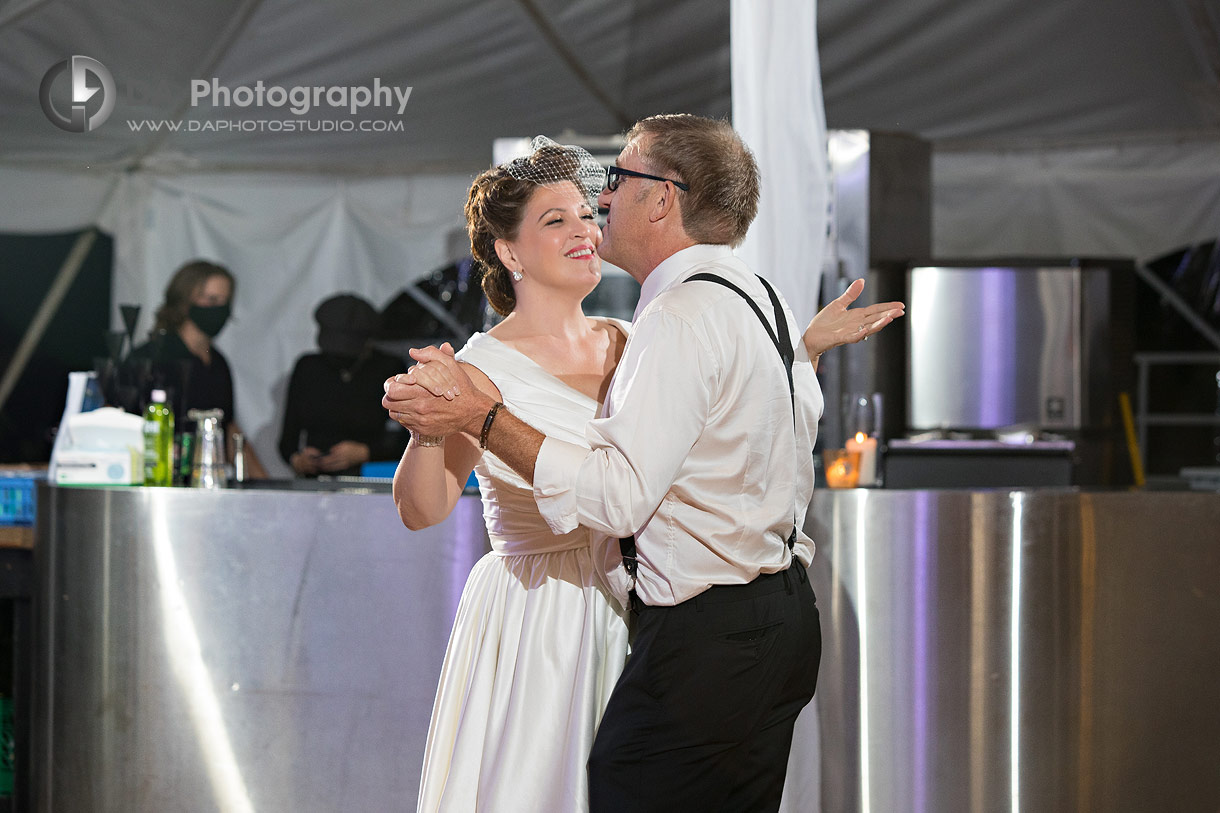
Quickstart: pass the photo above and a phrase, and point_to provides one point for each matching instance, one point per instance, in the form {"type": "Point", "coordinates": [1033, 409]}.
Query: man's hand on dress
{"type": "Point", "coordinates": [838, 323]}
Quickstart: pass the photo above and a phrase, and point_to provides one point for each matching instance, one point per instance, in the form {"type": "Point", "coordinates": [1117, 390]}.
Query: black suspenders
{"type": "Point", "coordinates": [783, 345]}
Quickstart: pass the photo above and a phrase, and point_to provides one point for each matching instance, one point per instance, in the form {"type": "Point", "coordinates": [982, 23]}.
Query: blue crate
{"type": "Point", "coordinates": [380, 468]}
{"type": "Point", "coordinates": [385, 470]}
{"type": "Point", "coordinates": [17, 490]}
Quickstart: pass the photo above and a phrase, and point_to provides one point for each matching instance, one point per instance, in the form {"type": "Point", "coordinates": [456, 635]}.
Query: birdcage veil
{"type": "Point", "coordinates": [550, 162]}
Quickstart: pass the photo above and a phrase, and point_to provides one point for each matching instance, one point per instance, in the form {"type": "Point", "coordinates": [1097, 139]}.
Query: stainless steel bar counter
{"type": "Point", "coordinates": [1044, 651]}
{"type": "Point", "coordinates": [278, 650]}
{"type": "Point", "coordinates": [239, 650]}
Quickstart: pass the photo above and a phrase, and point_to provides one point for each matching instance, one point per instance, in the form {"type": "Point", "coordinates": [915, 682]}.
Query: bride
{"type": "Point", "coordinates": [539, 639]}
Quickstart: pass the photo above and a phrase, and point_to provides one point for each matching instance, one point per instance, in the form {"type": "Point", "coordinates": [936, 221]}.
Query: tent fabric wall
{"type": "Point", "coordinates": [1135, 198]}
{"type": "Point", "coordinates": [1008, 69]}
{"type": "Point", "coordinates": [777, 108]}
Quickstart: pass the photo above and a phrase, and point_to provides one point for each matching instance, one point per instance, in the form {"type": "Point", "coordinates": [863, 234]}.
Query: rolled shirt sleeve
{"type": "Point", "coordinates": [555, 474]}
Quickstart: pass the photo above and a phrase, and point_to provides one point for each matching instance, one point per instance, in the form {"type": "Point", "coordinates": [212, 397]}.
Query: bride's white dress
{"type": "Point", "coordinates": [538, 642]}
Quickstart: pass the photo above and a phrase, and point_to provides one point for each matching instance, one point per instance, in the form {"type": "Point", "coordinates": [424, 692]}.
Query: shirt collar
{"type": "Point", "coordinates": [674, 268]}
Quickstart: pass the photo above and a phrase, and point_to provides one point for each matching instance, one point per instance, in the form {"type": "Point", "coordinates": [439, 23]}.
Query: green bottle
{"type": "Point", "coordinates": [186, 456]}
{"type": "Point", "coordinates": [158, 441]}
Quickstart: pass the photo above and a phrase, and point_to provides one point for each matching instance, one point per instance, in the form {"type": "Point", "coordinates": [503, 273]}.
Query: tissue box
{"type": "Point", "coordinates": [104, 447]}
{"type": "Point", "coordinates": [99, 467]}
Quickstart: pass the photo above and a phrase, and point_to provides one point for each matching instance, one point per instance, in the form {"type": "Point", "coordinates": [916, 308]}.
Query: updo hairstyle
{"type": "Point", "coordinates": [496, 207]}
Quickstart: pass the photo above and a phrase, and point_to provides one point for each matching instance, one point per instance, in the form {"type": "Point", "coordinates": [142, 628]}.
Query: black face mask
{"type": "Point", "coordinates": [341, 345]}
{"type": "Point", "coordinates": [209, 319]}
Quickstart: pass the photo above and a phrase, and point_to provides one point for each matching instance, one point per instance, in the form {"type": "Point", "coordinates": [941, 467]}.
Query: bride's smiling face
{"type": "Point", "coordinates": [556, 244]}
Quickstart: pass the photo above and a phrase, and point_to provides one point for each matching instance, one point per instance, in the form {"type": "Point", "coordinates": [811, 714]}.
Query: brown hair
{"type": "Point", "coordinates": [709, 156]}
{"type": "Point", "coordinates": [182, 286]}
{"type": "Point", "coordinates": [495, 208]}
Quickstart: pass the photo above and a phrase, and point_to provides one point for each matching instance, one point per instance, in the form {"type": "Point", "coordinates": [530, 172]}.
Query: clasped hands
{"type": "Point", "coordinates": [435, 397]}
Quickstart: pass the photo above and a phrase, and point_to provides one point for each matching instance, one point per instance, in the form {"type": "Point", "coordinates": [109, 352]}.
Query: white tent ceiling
{"type": "Point", "coordinates": [1010, 70]}
{"type": "Point", "coordinates": [950, 70]}
{"type": "Point", "coordinates": [478, 69]}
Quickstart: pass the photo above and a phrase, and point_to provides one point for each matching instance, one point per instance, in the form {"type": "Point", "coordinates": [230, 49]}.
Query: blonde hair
{"type": "Point", "coordinates": [710, 157]}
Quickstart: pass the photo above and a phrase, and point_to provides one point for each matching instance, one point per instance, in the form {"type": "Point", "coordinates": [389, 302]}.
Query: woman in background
{"type": "Point", "coordinates": [180, 357]}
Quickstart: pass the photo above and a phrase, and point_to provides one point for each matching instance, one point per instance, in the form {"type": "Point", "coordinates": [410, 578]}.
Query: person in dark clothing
{"type": "Point", "coordinates": [333, 422]}
{"type": "Point", "coordinates": [180, 358]}
{"type": "Point", "coordinates": [190, 382]}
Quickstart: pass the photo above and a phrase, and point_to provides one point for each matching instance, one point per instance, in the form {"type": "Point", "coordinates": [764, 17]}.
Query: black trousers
{"type": "Point", "coordinates": [702, 717]}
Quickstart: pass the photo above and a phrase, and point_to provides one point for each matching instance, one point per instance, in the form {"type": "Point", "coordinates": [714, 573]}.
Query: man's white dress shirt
{"type": "Point", "coordinates": [696, 453]}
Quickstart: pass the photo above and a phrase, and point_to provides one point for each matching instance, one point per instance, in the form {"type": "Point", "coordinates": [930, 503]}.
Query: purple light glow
{"type": "Point", "coordinates": [997, 336]}
{"type": "Point", "coordinates": [468, 547]}
{"type": "Point", "coordinates": [923, 551]}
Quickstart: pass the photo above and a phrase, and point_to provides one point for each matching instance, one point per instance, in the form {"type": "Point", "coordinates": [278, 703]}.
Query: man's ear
{"type": "Point", "coordinates": [665, 204]}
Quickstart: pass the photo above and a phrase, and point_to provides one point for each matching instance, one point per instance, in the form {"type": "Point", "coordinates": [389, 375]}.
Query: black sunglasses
{"type": "Point", "coordinates": [615, 176]}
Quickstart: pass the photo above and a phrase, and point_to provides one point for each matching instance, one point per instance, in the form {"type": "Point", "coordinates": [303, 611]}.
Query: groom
{"type": "Point", "coordinates": [705, 455]}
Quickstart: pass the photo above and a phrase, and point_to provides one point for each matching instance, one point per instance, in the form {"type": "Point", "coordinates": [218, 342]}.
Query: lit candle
{"type": "Point", "coordinates": [867, 447]}
{"type": "Point", "coordinates": [842, 467]}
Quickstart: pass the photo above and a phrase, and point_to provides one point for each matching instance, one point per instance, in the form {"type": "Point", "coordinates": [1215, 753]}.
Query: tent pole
{"type": "Point", "coordinates": [559, 44]}
{"type": "Point", "coordinates": [46, 311]}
